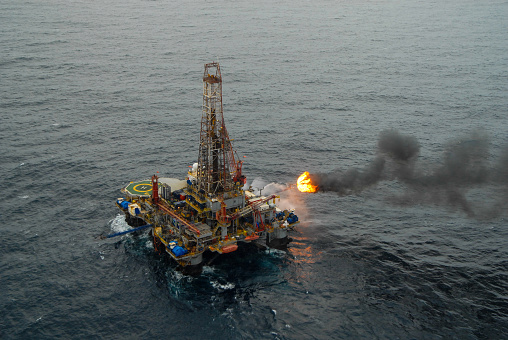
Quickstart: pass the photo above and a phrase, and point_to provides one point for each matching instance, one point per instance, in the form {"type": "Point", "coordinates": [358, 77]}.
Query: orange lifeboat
{"type": "Point", "coordinates": [229, 249]}
{"type": "Point", "coordinates": [252, 237]}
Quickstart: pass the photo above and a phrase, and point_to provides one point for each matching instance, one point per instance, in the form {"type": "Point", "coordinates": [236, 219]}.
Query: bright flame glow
{"type": "Point", "coordinates": [304, 184]}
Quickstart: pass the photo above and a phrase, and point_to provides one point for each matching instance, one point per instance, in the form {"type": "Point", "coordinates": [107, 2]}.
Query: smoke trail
{"type": "Point", "coordinates": [500, 180]}
{"type": "Point", "coordinates": [501, 171]}
{"type": "Point", "coordinates": [464, 165]}
{"type": "Point", "coordinates": [352, 181]}
{"type": "Point", "coordinates": [399, 147]}
{"type": "Point", "coordinates": [391, 144]}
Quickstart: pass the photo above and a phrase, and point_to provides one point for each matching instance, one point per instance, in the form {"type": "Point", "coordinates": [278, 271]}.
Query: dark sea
{"type": "Point", "coordinates": [95, 94]}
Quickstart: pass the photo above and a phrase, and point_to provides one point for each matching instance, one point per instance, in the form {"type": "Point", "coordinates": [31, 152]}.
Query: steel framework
{"type": "Point", "coordinates": [217, 168]}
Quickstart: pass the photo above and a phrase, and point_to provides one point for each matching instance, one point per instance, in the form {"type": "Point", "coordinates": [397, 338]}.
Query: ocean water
{"type": "Point", "coordinates": [96, 94]}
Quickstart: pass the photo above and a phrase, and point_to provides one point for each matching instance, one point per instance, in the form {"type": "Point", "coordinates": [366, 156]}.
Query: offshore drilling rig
{"type": "Point", "coordinates": [210, 210]}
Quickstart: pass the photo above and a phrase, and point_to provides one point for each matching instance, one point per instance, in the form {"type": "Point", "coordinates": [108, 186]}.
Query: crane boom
{"type": "Point", "coordinates": [250, 207]}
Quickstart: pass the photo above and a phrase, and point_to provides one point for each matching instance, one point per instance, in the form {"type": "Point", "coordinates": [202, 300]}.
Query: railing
{"type": "Point", "coordinates": [195, 207]}
{"type": "Point", "coordinates": [178, 218]}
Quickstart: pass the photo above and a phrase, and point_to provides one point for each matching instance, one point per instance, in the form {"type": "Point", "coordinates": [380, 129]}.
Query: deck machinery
{"type": "Point", "coordinates": [210, 210]}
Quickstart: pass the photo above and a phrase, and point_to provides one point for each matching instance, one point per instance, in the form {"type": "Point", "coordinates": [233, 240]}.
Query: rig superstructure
{"type": "Point", "coordinates": [209, 210]}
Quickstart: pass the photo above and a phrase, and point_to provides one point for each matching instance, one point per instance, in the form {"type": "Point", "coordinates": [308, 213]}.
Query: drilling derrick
{"type": "Point", "coordinates": [218, 173]}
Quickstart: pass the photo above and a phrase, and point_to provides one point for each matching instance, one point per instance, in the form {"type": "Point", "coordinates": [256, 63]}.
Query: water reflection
{"type": "Point", "coordinates": [303, 257]}
{"type": "Point", "coordinates": [302, 252]}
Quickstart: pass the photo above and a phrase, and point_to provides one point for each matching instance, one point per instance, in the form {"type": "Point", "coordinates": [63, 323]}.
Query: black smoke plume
{"type": "Point", "coordinates": [464, 165]}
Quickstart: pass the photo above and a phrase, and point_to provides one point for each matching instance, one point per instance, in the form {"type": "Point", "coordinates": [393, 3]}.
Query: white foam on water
{"type": "Point", "coordinates": [208, 270]}
{"type": "Point", "coordinates": [218, 285]}
{"type": "Point", "coordinates": [118, 224]}
{"type": "Point", "coordinates": [275, 252]}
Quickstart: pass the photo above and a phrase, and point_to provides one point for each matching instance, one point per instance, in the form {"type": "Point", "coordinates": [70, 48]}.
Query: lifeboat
{"type": "Point", "coordinates": [252, 237]}
{"type": "Point", "coordinates": [229, 249]}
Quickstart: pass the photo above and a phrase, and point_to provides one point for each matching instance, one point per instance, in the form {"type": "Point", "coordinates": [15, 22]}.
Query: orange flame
{"type": "Point", "coordinates": [304, 184]}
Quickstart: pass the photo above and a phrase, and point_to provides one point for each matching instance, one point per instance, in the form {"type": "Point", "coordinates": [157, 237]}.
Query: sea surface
{"type": "Point", "coordinates": [94, 94]}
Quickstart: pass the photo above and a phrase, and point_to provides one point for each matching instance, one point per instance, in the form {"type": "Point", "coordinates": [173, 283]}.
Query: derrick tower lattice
{"type": "Point", "coordinates": [217, 172]}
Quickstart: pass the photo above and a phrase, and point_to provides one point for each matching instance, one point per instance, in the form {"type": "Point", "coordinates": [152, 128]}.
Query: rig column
{"type": "Point", "coordinates": [155, 189]}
